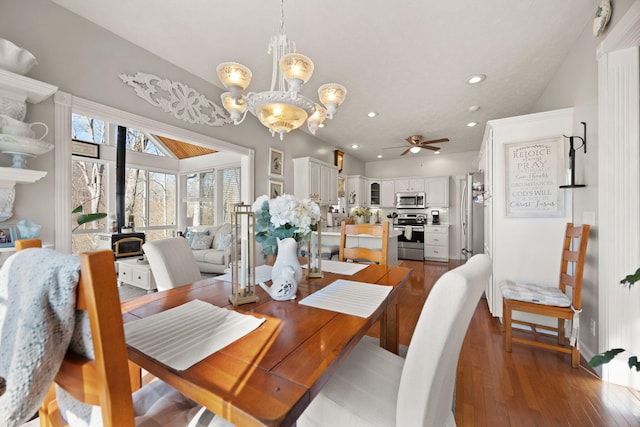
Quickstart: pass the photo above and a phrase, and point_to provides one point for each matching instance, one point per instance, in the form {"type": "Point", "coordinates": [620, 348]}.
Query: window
{"type": "Point", "coordinates": [88, 190]}
{"type": "Point", "coordinates": [150, 202]}
{"type": "Point", "coordinates": [230, 190]}
{"type": "Point", "coordinates": [200, 198]}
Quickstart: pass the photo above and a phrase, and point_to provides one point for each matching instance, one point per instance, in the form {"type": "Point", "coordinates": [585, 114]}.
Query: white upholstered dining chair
{"type": "Point", "coordinates": [172, 262]}
{"type": "Point", "coordinates": [374, 387]}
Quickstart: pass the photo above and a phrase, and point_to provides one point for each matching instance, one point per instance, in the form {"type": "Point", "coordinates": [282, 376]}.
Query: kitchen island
{"type": "Point", "coordinates": [331, 238]}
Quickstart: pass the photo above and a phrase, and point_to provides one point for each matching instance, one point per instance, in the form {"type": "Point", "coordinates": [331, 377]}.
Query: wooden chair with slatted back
{"type": "Point", "coordinates": [27, 243]}
{"type": "Point", "coordinates": [379, 256]}
{"type": "Point", "coordinates": [551, 301]}
{"type": "Point", "coordinates": [105, 381]}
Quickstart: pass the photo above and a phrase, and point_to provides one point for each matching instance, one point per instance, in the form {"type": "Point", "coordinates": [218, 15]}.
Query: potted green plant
{"type": "Point", "coordinates": [608, 356]}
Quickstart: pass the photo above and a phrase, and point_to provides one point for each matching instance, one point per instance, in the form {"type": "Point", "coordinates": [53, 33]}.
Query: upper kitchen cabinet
{"type": "Point", "coordinates": [357, 191]}
{"type": "Point", "coordinates": [387, 193]}
{"type": "Point", "coordinates": [405, 185]}
{"type": "Point", "coordinates": [437, 189]}
{"type": "Point", "coordinates": [315, 179]}
{"type": "Point", "coordinates": [374, 193]}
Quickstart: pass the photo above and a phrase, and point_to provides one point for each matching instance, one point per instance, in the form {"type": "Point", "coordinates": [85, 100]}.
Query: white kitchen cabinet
{"type": "Point", "coordinates": [437, 189]}
{"type": "Point", "coordinates": [411, 184]}
{"type": "Point", "coordinates": [314, 178]}
{"type": "Point", "coordinates": [436, 243]}
{"type": "Point", "coordinates": [357, 191]}
{"type": "Point", "coordinates": [388, 193]}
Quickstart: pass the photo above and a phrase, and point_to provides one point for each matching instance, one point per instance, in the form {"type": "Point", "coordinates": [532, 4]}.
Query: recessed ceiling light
{"type": "Point", "coordinates": [477, 78]}
{"type": "Point", "coordinates": [474, 108]}
{"type": "Point", "coordinates": [414, 150]}
{"type": "Point", "coordinates": [379, 156]}
{"type": "Point", "coordinates": [372, 114]}
{"type": "Point", "coordinates": [472, 124]}
{"type": "Point", "coordinates": [354, 146]}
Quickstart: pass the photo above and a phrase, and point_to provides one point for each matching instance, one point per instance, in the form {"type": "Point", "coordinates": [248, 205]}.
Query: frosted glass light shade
{"type": "Point", "coordinates": [232, 74]}
{"type": "Point", "coordinates": [414, 150]}
{"type": "Point", "coordinates": [332, 95]}
{"type": "Point", "coordinates": [296, 66]}
{"type": "Point", "coordinates": [235, 106]}
{"type": "Point", "coordinates": [281, 118]}
{"type": "Point", "coordinates": [317, 119]}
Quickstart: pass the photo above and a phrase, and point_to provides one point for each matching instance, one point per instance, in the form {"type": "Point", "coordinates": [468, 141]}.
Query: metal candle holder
{"type": "Point", "coordinates": [314, 253]}
{"type": "Point", "coordinates": [243, 267]}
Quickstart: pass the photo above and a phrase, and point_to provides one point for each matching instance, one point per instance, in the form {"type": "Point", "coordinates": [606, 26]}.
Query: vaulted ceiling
{"type": "Point", "coordinates": [409, 60]}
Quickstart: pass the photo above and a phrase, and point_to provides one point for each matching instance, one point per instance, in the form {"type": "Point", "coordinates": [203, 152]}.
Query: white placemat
{"type": "Point", "coordinates": [182, 336]}
{"type": "Point", "coordinates": [349, 297]}
{"type": "Point", "coordinates": [346, 268]}
{"type": "Point", "coordinates": [263, 274]}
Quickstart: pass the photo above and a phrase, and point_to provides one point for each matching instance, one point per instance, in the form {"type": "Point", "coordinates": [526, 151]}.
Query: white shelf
{"type": "Point", "coordinates": [14, 176]}
{"type": "Point", "coordinates": [25, 88]}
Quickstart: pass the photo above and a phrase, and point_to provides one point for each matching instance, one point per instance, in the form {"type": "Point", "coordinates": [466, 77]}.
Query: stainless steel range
{"type": "Point", "coordinates": [411, 238]}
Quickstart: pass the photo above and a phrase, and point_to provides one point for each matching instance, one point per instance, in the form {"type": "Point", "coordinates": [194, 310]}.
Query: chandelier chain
{"type": "Point", "coordinates": [283, 29]}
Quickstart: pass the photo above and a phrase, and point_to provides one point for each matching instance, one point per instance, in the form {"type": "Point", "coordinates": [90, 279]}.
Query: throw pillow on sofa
{"type": "Point", "coordinates": [223, 241]}
{"type": "Point", "coordinates": [190, 235]}
{"type": "Point", "coordinates": [201, 241]}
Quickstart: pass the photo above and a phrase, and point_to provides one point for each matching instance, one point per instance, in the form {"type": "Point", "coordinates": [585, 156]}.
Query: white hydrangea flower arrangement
{"type": "Point", "coordinates": [283, 217]}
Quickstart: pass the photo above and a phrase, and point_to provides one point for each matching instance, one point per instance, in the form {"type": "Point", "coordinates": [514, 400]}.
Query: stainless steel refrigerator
{"type": "Point", "coordinates": [472, 215]}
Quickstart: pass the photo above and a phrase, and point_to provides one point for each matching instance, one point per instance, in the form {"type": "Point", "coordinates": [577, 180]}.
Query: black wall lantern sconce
{"type": "Point", "coordinates": [572, 157]}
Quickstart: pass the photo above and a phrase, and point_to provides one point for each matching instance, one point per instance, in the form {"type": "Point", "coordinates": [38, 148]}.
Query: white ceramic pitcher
{"type": "Point", "coordinates": [11, 126]}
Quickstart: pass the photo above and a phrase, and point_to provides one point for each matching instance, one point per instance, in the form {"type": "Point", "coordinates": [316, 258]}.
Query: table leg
{"type": "Point", "coordinates": [389, 330]}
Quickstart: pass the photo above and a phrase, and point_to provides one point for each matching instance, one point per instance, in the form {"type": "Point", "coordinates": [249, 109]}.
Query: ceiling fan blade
{"type": "Point", "coordinates": [393, 148]}
{"type": "Point", "coordinates": [428, 147]}
{"type": "Point", "coordinates": [435, 141]}
{"type": "Point", "coordinates": [405, 151]}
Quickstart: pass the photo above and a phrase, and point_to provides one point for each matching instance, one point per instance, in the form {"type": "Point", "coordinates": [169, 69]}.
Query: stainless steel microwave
{"type": "Point", "coordinates": [413, 200]}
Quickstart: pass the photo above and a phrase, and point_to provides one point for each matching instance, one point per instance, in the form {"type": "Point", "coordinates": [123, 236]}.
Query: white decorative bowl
{"type": "Point", "coordinates": [14, 58]}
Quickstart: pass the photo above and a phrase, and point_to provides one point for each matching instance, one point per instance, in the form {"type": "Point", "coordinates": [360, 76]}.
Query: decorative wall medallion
{"type": "Point", "coordinates": [177, 98]}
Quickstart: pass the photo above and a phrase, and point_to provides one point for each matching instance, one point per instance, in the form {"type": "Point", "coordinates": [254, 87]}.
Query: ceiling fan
{"type": "Point", "coordinates": [417, 143]}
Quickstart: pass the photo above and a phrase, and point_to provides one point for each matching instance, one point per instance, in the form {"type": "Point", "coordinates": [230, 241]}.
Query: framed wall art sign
{"type": "Point", "coordinates": [533, 174]}
{"type": "Point", "coordinates": [85, 149]}
{"type": "Point", "coordinates": [276, 162]}
{"type": "Point", "coordinates": [275, 189]}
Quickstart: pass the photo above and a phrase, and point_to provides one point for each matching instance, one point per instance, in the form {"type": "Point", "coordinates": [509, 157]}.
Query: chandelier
{"type": "Point", "coordinates": [280, 109]}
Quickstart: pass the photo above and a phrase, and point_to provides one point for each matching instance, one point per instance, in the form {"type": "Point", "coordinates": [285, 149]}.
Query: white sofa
{"type": "Point", "coordinates": [215, 256]}
{"type": "Point", "coordinates": [211, 247]}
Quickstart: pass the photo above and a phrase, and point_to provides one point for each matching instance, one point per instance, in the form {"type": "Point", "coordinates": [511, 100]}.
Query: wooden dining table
{"type": "Point", "coordinates": [269, 376]}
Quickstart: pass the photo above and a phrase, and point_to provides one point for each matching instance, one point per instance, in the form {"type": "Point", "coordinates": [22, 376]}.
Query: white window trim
{"type": "Point", "coordinates": [65, 104]}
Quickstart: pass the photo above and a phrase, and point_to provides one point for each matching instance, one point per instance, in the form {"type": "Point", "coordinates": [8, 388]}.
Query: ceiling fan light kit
{"type": "Point", "coordinates": [280, 109]}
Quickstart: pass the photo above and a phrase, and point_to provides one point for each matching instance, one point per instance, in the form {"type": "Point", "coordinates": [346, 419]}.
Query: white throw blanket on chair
{"type": "Point", "coordinates": [37, 304]}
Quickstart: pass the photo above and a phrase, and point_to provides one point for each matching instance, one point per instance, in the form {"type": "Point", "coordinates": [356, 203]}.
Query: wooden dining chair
{"type": "Point", "coordinates": [27, 243]}
{"type": "Point", "coordinates": [551, 301]}
{"type": "Point", "coordinates": [358, 254]}
{"type": "Point", "coordinates": [374, 387]}
{"type": "Point", "coordinates": [108, 379]}
{"type": "Point", "coordinates": [172, 262]}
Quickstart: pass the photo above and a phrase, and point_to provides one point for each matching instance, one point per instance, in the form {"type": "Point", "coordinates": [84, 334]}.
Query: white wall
{"type": "Point", "coordinates": [575, 84]}
{"type": "Point", "coordinates": [427, 165]}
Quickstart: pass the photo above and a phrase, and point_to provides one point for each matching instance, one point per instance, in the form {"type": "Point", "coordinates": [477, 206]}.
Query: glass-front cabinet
{"type": "Point", "coordinates": [374, 193]}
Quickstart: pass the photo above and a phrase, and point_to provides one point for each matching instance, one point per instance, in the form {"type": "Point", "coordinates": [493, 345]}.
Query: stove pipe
{"type": "Point", "coordinates": [121, 152]}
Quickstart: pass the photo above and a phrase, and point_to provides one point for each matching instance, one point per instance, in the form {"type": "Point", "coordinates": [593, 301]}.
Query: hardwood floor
{"type": "Point", "coordinates": [529, 387]}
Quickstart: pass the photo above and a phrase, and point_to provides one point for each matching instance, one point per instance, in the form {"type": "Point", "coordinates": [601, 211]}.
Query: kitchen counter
{"type": "Point", "coordinates": [335, 231]}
